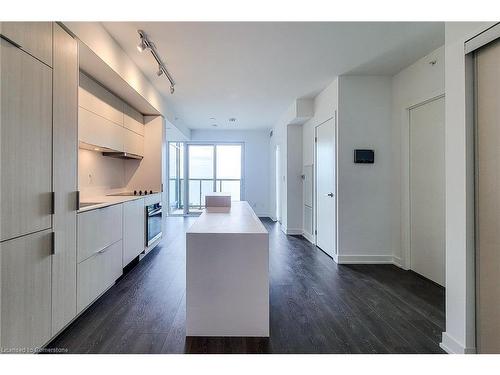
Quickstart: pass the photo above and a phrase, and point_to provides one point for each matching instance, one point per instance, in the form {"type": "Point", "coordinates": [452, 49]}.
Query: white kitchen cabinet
{"type": "Point", "coordinates": [26, 142]}
{"type": "Point", "coordinates": [132, 142]}
{"type": "Point", "coordinates": [97, 273]}
{"type": "Point", "coordinates": [133, 120]}
{"type": "Point", "coordinates": [95, 98]}
{"type": "Point", "coordinates": [65, 169]}
{"type": "Point", "coordinates": [133, 229]}
{"type": "Point", "coordinates": [97, 229]}
{"type": "Point", "coordinates": [98, 131]}
{"type": "Point", "coordinates": [33, 37]}
{"type": "Point", "coordinates": [26, 291]}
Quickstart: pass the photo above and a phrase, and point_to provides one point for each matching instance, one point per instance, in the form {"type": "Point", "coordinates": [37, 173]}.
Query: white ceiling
{"type": "Point", "coordinates": [253, 71]}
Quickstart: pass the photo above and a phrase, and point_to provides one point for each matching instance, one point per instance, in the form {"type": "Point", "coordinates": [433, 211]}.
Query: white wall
{"type": "Point", "coordinates": [415, 84]}
{"type": "Point", "coordinates": [460, 305]}
{"type": "Point", "coordinates": [99, 175]}
{"type": "Point", "coordinates": [294, 200]}
{"type": "Point", "coordinates": [365, 191]}
{"type": "Point", "coordinates": [256, 162]}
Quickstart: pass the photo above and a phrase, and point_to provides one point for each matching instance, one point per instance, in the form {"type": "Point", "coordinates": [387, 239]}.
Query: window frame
{"type": "Point", "coordinates": [186, 144]}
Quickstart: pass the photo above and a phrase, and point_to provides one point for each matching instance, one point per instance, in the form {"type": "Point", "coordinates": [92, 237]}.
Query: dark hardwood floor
{"type": "Point", "coordinates": [316, 306]}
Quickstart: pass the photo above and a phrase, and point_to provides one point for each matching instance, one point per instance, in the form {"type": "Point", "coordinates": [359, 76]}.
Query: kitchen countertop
{"type": "Point", "coordinates": [108, 200]}
{"type": "Point", "coordinates": [240, 218]}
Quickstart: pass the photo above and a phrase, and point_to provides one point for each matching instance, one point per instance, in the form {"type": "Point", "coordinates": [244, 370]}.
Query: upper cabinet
{"type": "Point", "coordinates": [26, 143]}
{"type": "Point", "coordinates": [33, 37]}
{"type": "Point", "coordinates": [133, 120]}
{"type": "Point", "coordinates": [95, 98]}
{"type": "Point", "coordinates": [107, 122]}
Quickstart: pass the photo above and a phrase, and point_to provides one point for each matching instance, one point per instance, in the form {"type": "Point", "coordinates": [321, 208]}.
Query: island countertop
{"type": "Point", "coordinates": [239, 219]}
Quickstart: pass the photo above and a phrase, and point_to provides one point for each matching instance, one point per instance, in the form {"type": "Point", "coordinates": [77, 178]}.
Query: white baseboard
{"type": "Point", "coordinates": [309, 237]}
{"type": "Point", "coordinates": [452, 346]}
{"type": "Point", "coordinates": [368, 259]}
{"type": "Point", "coordinates": [397, 261]}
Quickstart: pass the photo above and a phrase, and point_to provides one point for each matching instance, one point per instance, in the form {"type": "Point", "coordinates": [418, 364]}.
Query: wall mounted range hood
{"type": "Point", "coordinates": [109, 152]}
{"type": "Point", "coordinates": [121, 155]}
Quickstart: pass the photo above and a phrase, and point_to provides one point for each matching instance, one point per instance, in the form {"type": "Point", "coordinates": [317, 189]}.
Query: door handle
{"type": "Point", "coordinates": [330, 195]}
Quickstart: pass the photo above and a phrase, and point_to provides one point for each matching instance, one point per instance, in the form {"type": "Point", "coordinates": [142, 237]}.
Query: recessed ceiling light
{"type": "Point", "coordinates": [232, 119]}
{"type": "Point", "coordinates": [96, 149]}
{"type": "Point", "coordinates": [212, 118]}
{"type": "Point", "coordinates": [214, 125]}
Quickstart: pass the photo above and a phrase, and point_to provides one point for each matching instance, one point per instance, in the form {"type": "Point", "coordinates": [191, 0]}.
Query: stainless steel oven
{"type": "Point", "coordinates": [153, 223]}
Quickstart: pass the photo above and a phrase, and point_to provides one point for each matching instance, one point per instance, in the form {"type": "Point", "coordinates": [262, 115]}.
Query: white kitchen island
{"type": "Point", "coordinates": [227, 274]}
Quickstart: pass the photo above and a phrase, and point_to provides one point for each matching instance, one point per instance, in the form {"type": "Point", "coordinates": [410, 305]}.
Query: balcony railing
{"type": "Point", "coordinates": [198, 188]}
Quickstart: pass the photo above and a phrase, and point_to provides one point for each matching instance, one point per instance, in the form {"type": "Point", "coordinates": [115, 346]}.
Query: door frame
{"type": "Point", "coordinates": [405, 260]}
{"type": "Point", "coordinates": [335, 187]}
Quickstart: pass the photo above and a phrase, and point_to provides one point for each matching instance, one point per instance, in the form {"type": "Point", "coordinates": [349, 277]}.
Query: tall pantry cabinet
{"type": "Point", "coordinates": [38, 169]}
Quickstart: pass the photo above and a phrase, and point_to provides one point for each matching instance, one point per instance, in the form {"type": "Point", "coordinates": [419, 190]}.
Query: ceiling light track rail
{"type": "Point", "coordinates": [146, 44]}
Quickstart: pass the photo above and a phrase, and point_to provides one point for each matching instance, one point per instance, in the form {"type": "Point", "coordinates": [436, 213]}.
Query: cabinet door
{"type": "Point", "coordinates": [98, 273]}
{"type": "Point", "coordinates": [65, 143]}
{"type": "Point", "coordinates": [133, 230]}
{"type": "Point", "coordinates": [96, 99]}
{"type": "Point", "coordinates": [26, 143]}
{"type": "Point", "coordinates": [132, 142]}
{"type": "Point", "coordinates": [33, 37]}
{"type": "Point", "coordinates": [133, 120]}
{"type": "Point", "coordinates": [25, 291]}
{"type": "Point", "coordinates": [98, 131]}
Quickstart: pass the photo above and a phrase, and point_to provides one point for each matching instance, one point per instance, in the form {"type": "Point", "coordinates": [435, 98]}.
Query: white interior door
{"type": "Point", "coordinates": [427, 184]}
{"type": "Point", "coordinates": [325, 187]}
{"type": "Point", "coordinates": [277, 162]}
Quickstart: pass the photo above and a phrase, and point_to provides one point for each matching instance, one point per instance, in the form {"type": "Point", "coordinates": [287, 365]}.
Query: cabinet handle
{"type": "Point", "coordinates": [103, 250]}
{"type": "Point", "coordinates": [53, 244]}
{"type": "Point", "coordinates": [53, 203]}
{"type": "Point", "coordinates": [77, 205]}
{"type": "Point", "coordinates": [10, 41]}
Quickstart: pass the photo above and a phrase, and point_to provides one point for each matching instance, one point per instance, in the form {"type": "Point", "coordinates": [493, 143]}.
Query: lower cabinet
{"type": "Point", "coordinates": [98, 273]}
{"type": "Point", "coordinates": [26, 291]}
{"type": "Point", "coordinates": [133, 229]}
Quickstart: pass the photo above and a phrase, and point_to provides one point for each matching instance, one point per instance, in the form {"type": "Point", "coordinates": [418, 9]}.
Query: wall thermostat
{"type": "Point", "coordinates": [364, 156]}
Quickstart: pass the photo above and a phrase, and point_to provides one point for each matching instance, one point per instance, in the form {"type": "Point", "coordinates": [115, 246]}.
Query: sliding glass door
{"type": "Point", "coordinates": [176, 178]}
{"type": "Point", "coordinates": [201, 167]}
{"type": "Point", "coordinates": [209, 167]}
{"type": "Point", "coordinates": [228, 170]}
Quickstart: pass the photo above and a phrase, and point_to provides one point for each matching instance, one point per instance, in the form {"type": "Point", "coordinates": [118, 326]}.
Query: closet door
{"type": "Point", "coordinates": [488, 198]}
{"type": "Point", "coordinates": [26, 143]}
{"type": "Point", "coordinates": [64, 178]}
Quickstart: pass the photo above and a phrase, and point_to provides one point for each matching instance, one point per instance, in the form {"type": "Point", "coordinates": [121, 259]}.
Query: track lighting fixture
{"type": "Point", "coordinates": [146, 44]}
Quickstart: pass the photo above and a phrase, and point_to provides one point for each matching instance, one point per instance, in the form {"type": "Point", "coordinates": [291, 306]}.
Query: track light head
{"type": "Point", "coordinates": [160, 71]}
{"type": "Point", "coordinates": [143, 44]}
{"type": "Point", "coordinates": [172, 89]}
